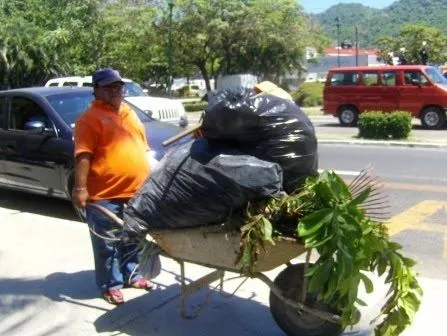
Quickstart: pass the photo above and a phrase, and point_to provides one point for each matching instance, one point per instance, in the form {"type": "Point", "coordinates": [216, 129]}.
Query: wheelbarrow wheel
{"type": "Point", "coordinates": [292, 321]}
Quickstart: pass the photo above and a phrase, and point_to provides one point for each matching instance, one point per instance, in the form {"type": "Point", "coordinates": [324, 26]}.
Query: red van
{"type": "Point", "coordinates": [418, 89]}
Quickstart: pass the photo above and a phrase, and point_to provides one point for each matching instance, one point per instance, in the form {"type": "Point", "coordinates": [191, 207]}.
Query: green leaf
{"type": "Point", "coordinates": [323, 241]}
{"type": "Point", "coordinates": [361, 302]}
{"type": "Point", "coordinates": [246, 256]}
{"type": "Point", "coordinates": [367, 282]}
{"type": "Point", "coordinates": [361, 197]}
{"type": "Point", "coordinates": [311, 223]}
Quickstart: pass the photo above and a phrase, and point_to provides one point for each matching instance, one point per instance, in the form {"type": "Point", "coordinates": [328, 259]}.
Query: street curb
{"type": "Point", "coordinates": [359, 142]}
{"type": "Point", "coordinates": [383, 143]}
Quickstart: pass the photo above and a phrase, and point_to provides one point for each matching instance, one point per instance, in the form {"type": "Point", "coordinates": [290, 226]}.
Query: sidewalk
{"type": "Point", "coordinates": [47, 288]}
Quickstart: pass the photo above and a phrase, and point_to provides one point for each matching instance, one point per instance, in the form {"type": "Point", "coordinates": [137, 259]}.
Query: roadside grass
{"type": "Point", "coordinates": [313, 111]}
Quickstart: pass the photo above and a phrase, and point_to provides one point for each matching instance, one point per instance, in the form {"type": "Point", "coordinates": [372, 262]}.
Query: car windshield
{"type": "Point", "coordinates": [132, 89]}
{"type": "Point", "coordinates": [70, 105]}
{"type": "Point", "coordinates": [435, 75]}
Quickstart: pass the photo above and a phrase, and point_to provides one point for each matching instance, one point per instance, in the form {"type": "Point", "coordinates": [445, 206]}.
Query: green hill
{"type": "Point", "coordinates": [373, 23]}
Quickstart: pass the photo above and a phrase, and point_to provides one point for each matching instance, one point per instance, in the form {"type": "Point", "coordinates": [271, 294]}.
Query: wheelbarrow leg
{"type": "Point", "coordinates": [194, 286]}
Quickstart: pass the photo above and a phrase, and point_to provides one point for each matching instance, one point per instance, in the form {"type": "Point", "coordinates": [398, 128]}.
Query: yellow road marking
{"type": "Point", "coordinates": [413, 219]}
{"type": "Point", "coordinates": [410, 186]}
{"type": "Point", "coordinates": [416, 187]}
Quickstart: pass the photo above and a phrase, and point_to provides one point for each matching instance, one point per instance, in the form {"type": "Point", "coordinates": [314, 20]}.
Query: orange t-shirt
{"type": "Point", "coordinates": [118, 145]}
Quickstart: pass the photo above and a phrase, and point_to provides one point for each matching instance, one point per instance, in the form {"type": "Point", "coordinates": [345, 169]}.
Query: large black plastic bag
{"type": "Point", "coordinates": [200, 183]}
{"type": "Point", "coordinates": [268, 127]}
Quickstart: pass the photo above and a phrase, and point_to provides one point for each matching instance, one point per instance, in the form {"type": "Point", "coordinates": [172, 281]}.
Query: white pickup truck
{"type": "Point", "coordinates": [163, 109]}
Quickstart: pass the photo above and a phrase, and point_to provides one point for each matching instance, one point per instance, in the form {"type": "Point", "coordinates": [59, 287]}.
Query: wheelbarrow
{"type": "Point", "coordinates": [294, 309]}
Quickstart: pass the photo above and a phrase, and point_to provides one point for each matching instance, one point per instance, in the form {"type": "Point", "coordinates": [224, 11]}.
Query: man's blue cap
{"type": "Point", "coordinates": [106, 76]}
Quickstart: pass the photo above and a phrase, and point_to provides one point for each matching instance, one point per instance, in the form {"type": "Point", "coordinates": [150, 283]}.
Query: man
{"type": "Point", "coordinates": [110, 166]}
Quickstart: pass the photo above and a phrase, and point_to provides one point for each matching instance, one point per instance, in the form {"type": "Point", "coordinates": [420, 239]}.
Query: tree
{"type": "Point", "coordinates": [28, 54]}
{"type": "Point", "coordinates": [233, 36]}
{"type": "Point", "coordinates": [282, 32]}
{"type": "Point", "coordinates": [411, 37]}
{"type": "Point", "coordinates": [46, 38]}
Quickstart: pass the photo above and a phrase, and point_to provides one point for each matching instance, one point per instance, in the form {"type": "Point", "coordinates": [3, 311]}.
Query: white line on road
{"type": "Point", "coordinates": [342, 172]}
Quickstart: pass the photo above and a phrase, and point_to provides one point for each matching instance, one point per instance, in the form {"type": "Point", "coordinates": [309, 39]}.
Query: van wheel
{"type": "Point", "coordinates": [432, 118]}
{"type": "Point", "coordinates": [348, 116]}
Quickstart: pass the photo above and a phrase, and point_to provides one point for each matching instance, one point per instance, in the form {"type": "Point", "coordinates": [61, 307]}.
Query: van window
{"type": "Point", "coordinates": [70, 84]}
{"type": "Point", "coordinates": [389, 78]}
{"type": "Point", "coordinates": [370, 78]}
{"type": "Point", "coordinates": [53, 84]}
{"type": "Point", "coordinates": [89, 84]}
{"type": "Point", "coordinates": [414, 77]}
{"type": "Point", "coordinates": [435, 75]}
{"type": "Point", "coordinates": [344, 78]}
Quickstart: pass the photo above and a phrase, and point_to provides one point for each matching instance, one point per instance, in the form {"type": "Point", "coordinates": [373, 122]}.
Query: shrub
{"type": "Point", "coordinates": [379, 125]}
{"type": "Point", "coordinates": [195, 106]}
{"type": "Point", "coordinates": [309, 94]}
{"type": "Point", "coordinates": [372, 125]}
{"type": "Point", "coordinates": [399, 124]}
{"type": "Point", "coordinates": [183, 91]}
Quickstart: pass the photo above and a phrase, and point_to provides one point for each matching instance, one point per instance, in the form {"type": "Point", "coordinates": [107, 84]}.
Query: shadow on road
{"type": "Point", "coordinates": [21, 300]}
{"type": "Point", "coordinates": [334, 125]}
{"type": "Point", "coordinates": [419, 127]}
{"type": "Point", "coordinates": [56, 286]}
{"type": "Point", "coordinates": [37, 204]}
{"type": "Point", "coordinates": [157, 313]}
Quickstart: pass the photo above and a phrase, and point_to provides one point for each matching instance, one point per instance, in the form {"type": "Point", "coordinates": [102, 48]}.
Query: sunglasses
{"type": "Point", "coordinates": [116, 87]}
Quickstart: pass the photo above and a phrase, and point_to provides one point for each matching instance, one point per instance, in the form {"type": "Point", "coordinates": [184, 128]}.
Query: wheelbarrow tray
{"type": "Point", "coordinates": [218, 247]}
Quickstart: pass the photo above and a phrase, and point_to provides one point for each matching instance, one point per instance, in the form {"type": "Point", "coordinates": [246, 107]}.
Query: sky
{"type": "Point", "coordinates": [318, 6]}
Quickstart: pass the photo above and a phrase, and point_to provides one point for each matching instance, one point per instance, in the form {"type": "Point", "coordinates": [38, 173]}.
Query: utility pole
{"type": "Point", "coordinates": [356, 46]}
{"type": "Point", "coordinates": [170, 80]}
{"type": "Point", "coordinates": [337, 20]}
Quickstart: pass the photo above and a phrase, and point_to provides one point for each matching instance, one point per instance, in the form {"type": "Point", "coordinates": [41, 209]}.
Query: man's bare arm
{"type": "Point", "coordinates": [82, 168]}
{"type": "Point", "coordinates": [80, 194]}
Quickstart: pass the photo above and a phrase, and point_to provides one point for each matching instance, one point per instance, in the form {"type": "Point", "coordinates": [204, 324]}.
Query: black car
{"type": "Point", "coordinates": [36, 137]}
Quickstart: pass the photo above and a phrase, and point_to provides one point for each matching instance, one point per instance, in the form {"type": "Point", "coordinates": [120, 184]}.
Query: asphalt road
{"type": "Point", "coordinates": [416, 184]}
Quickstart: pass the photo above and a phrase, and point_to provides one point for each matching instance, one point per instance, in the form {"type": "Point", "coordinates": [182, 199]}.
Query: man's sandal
{"type": "Point", "coordinates": [113, 296]}
{"type": "Point", "coordinates": [142, 283]}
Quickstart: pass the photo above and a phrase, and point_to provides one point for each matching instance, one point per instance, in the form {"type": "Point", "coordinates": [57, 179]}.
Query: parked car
{"type": "Point", "coordinates": [163, 109]}
{"type": "Point", "coordinates": [418, 89]}
{"type": "Point", "coordinates": [36, 137]}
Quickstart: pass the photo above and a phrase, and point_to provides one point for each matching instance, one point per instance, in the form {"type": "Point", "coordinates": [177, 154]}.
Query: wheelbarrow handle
{"type": "Point", "coordinates": [106, 212]}
{"type": "Point", "coordinates": [181, 135]}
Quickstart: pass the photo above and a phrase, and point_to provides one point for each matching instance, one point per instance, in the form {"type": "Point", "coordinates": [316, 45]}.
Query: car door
{"type": "Point", "coordinates": [33, 157]}
{"type": "Point", "coordinates": [2, 132]}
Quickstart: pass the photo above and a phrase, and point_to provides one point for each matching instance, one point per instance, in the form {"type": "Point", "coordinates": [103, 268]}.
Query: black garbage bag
{"type": "Point", "coordinates": [198, 184]}
{"type": "Point", "coordinates": [265, 126]}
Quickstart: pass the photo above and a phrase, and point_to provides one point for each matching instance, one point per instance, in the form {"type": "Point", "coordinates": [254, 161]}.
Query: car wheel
{"type": "Point", "coordinates": [433, 118]}
{"type": "Point", "coordinates": [348, 116]}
